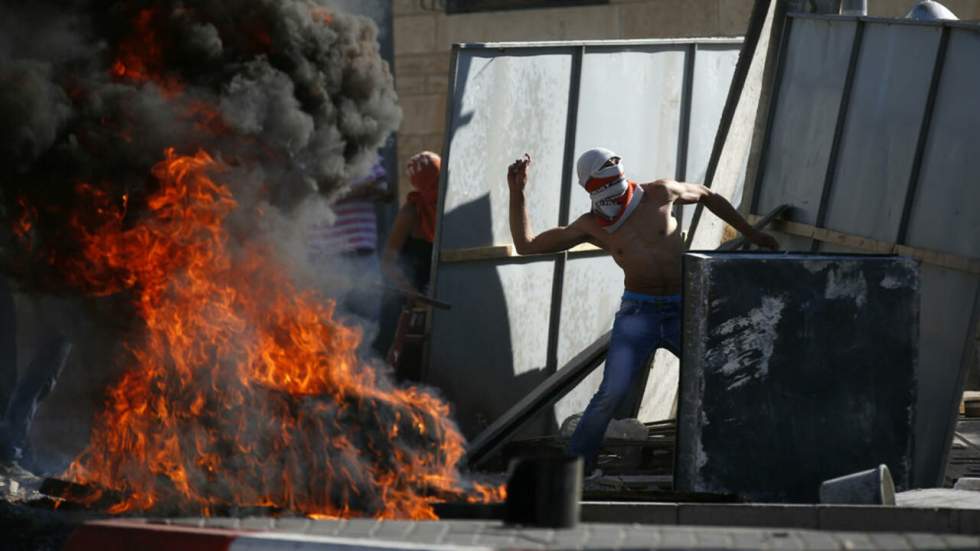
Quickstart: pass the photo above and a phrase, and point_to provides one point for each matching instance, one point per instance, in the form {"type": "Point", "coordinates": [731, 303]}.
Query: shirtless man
{"type": "Point", "coordinates": [634, 223]}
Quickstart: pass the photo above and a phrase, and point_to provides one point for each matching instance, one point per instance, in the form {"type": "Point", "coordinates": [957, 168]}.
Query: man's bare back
{"type": "Point", "coordinates": [647, 246]}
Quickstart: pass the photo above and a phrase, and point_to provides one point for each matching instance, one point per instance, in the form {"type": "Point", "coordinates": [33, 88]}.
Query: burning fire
{"type": "Point", "coordinates": [244, 391]}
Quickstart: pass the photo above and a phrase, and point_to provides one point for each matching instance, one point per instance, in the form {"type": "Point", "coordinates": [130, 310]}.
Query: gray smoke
{"type": "Point", "coordinates": [95, 90]}
{"type": "Point", "coordinates": [291, 95]}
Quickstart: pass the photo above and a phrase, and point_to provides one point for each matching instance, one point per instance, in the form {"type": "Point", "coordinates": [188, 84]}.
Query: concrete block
{"type": "Point", "coordinates": [424, 114]}
{"type": "Point", "coordinates": [733, 17]}
{"type": "Point", "coordinates": [427, 532]}
{"type": "Point", "coordinates": [925, 541]}
{"type": "Point", "coordinates": [817, 540]}
{"type": "Point", "coordinates": [888, 519]}
{"type": "Point", "coordinates": [571, 23]}
{"type": "Point", "coordinates": [257, 523]}
{"type": "Point", "coordinates": [969, 521]}
{"type": "Point", "coordinates": [624, 512]}
{"type": "Point", "coordinates": [890, 541]}
{"type": "Point", "coordinates": [761, 515]}
{"type": "Point", "coordinates": [437, 84]}
{"type": "Point", "coordinates": [224, 523]}
{"type": "Point", "coordinates": [670, 19]}
{"type": "Point", "coordinates": [326, 527]}
{"type": "Point", "coordinates": [415, 34]}
{"type": "Point", "coordinates": [436, 63]}
{"type": "Point", "coordinates": [407, 7]}
{"type": "Point", "coordinates": [360, 528]}
{"type": "Point", "coordinates": [410, 85]}
{"type": "Point", "coordinates": [856, 541]}
{"type": "Point", "coordinates": [811, 355]}
{"type": "Point", "coordinates": [714, 540]}
{"type": "Point", "coordinates": [293, 524]}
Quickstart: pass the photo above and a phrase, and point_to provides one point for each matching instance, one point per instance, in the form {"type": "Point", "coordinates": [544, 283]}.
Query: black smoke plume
{"type": "Point", "coordinates": [287, 91]}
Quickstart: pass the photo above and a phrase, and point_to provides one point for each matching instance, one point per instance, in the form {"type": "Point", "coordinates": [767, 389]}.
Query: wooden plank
{"type": "Point", "coordinates": [929, 256]}
{"type": "Point", "coordinates": [478, 253]}
{"type": "Point", "coordinates": [496, 252]}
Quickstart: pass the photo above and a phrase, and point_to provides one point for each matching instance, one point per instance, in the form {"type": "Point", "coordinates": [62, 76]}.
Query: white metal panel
{"type": "Point", "coordinates": [713, 70]}
{"type": "Point", "coordinates": [490, 350]}
{"type": "Point", "coordinates": [805, 119]}
{"type": "Point", "coordinates": [877, 148]}
{"type": "Point", "coordinates": [945, 215]}
{"type": "Point", "coordinates": [505, 105]}
{"type": "Point", "coordinates": [590, 297]}
{"type": "Point", "coordinates": [630, 102]}
{"type": "Point", "coordinates": [945, 314]}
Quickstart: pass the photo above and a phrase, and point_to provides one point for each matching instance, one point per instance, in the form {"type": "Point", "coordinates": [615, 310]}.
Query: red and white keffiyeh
{"type": "Point", "coordinates": [614, 198]}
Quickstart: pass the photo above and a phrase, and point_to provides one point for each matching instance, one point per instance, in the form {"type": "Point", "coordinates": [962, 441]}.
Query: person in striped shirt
{"type": "Point", "coordinates": [345, 251]}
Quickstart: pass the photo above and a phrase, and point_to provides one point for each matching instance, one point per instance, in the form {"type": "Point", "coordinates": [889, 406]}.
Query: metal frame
{"type": "Point", "coordinates": [578, 50]}
{"type": "Point", "coordinates": [564, 208]}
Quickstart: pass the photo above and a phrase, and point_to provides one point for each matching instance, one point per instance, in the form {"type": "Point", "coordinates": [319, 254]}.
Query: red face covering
{"type": "Point", "coordinates": [423, 169]}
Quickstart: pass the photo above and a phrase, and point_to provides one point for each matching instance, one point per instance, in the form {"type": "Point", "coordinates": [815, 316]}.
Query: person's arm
{"type": "Point", "coordinates": [550, 241]}
{"type": "Point", "coordinates": [400, 230]}
{"type": "Point", "coordinates": [684, 194]}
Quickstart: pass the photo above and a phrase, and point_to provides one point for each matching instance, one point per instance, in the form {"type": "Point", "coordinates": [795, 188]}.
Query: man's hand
{"type": "Point", "coordinates": [517, 174]}
{"type": "Point", "coordinates": [763, 240]}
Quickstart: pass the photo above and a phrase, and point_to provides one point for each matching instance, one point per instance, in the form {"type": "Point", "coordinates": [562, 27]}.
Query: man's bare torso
{"type": "Point", "coordinates": [647, 246]}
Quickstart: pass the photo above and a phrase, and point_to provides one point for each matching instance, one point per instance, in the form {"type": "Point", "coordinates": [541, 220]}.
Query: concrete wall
{"type": "Point", "coordinates": [424, 35]}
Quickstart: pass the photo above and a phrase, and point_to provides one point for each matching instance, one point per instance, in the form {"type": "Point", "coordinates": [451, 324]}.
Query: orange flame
{"type": "Point", "coordinates": [244, 391]}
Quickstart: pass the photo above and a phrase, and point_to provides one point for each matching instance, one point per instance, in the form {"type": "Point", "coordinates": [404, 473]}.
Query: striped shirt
{"type": "Point", "coordinates": [355, 229]}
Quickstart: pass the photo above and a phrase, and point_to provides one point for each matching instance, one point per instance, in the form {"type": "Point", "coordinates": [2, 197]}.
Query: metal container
{"type": "Point", "coordinates": [870, 487]}
{"type": "Point", "coordinates": [545, 491]}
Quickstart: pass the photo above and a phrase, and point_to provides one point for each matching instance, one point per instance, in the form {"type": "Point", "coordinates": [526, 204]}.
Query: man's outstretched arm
{"type": "Point", "coordinates": [550, 241]}
{"type": "Point", "coordinates": [684, 193]}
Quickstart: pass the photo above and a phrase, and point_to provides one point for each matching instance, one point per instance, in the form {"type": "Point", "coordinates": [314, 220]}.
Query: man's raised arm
{"type": "Point", "coordinates": [684, 193]}
{"type": "Point", "coordinates": [550, 241]}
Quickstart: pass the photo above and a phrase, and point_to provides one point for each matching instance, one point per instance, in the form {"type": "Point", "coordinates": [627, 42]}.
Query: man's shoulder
{"type": "Point", "coordinates": [658, 185]}
{"type": "Point", "coordinates": [586, 222]}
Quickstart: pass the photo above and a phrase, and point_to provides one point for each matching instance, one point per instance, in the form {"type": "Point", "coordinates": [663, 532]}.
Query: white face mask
{"type": "Point", "coordinates": [606, 200]}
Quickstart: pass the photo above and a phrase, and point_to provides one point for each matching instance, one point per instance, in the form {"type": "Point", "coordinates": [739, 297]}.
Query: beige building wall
{"type": "Point", "coordinates": [423, 37]}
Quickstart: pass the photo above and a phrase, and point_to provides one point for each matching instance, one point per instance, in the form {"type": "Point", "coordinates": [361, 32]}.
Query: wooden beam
{"type": "Point", "coordinates": [929, 256]}
{"type": "Point", "coordinates": [496, 252]}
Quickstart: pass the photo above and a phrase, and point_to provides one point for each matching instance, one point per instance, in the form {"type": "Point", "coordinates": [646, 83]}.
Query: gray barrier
{"type": "Point", "coordinates": [516, 320]}
{"type": "Point", "coordinates": [872, 135]}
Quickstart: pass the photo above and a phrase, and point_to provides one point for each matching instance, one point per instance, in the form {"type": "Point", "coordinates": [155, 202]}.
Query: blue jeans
{"type": "Point", "coordinates": [643, 324]}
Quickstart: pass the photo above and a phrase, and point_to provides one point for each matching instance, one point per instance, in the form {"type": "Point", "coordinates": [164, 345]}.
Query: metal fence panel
{"type": "Point", "coordinates": [713, 70]}
{"type": "Point", "coordinates": [631, 103]}
{"type": "Point", "coordinates": [908, 123]}
{"type": "Point", "coordinates": [945, 215]}
{"type": "Point", "coordinates": [878, 145]}
{"type": "Point", "coordinates": [803, 126]}
{"type": "Point", "coordinates": [490, 350]}
{"type": "Point", "coordinates": [505, 104]}
{"type": "Point", "coordinates": [592, 288]}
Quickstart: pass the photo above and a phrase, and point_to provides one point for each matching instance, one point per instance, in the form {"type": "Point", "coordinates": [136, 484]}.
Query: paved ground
{"type": "Point", "coordinates": [307, 534]}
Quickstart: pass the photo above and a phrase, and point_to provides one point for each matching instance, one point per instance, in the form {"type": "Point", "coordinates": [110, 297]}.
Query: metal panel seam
{"type": "Point", "coordinates": [567, 173]}
{"type": "Point", "coordinates": [773, 104]}
{"type": "Point", "coordinates": [911, 190]}
{"type": "Point", "coordinates": [842, 110]}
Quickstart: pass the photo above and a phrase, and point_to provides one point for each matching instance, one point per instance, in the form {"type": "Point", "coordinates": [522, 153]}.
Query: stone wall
{"type": "Point", "coordinates": [424, 35]}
